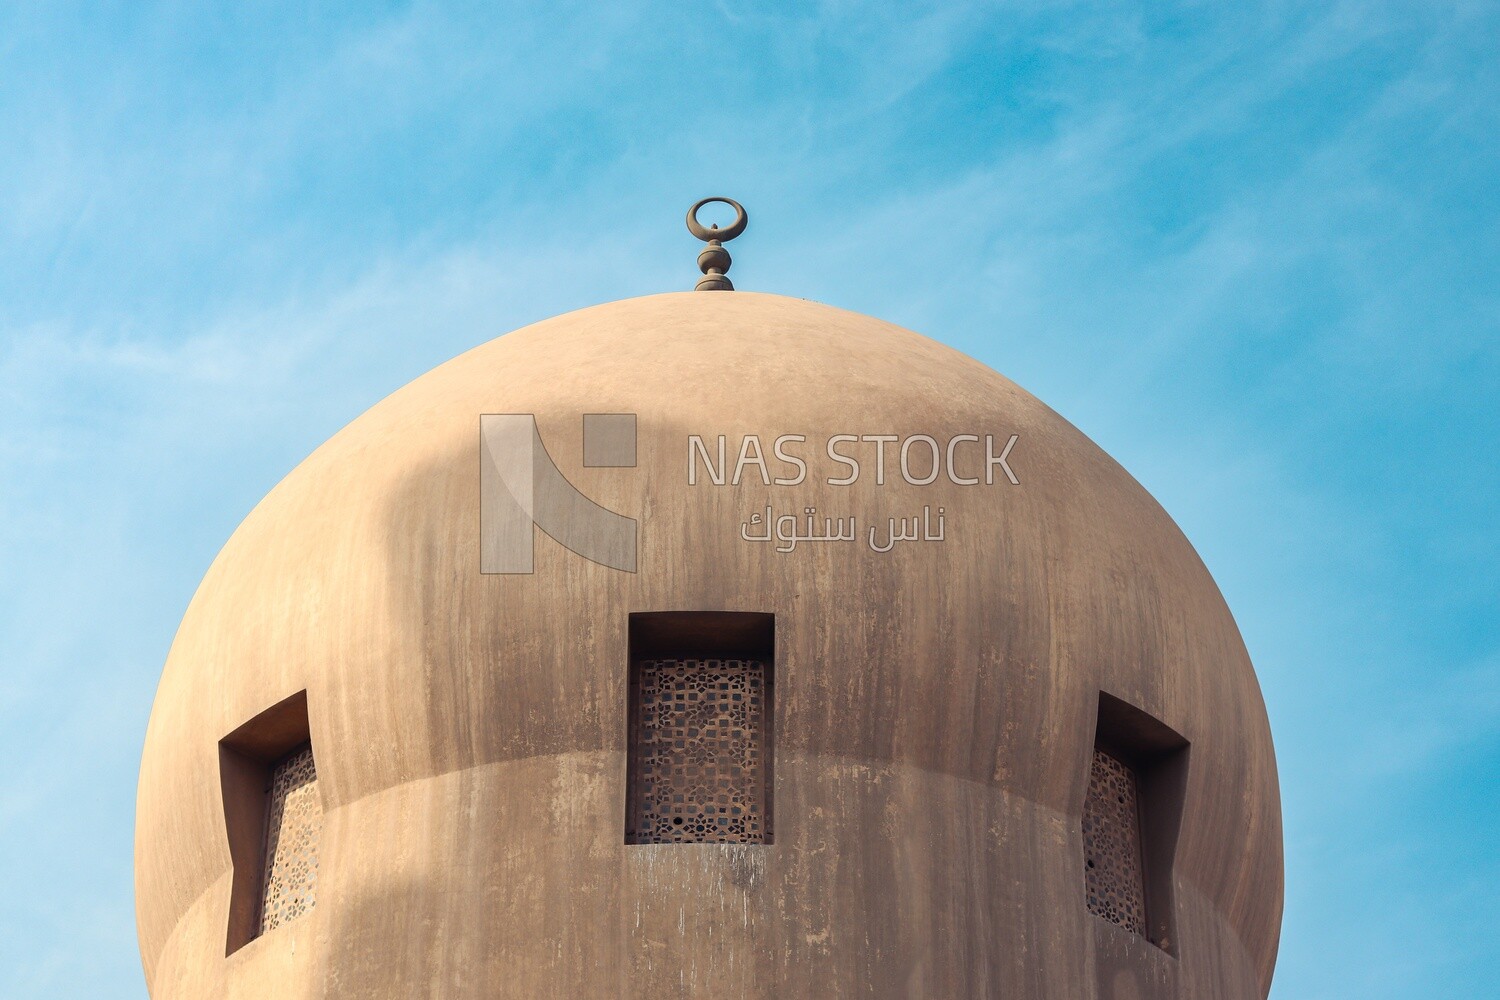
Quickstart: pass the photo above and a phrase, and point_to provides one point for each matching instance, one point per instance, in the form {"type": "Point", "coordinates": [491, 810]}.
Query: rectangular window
{"type": "Point", "coordinates": [273, 817]}
{"type": "Point", "coordinates": [294, 825]}
{"type": "Point", "coordinates": [1132, 810]}
{"type": "Point", "coordinates": [1112, 844]}
{"type": "Point", "coordinates": [700, 750]}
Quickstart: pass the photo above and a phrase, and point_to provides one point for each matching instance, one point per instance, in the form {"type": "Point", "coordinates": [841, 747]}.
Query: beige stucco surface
{"type": "Point", "coordinates": [935, 704]}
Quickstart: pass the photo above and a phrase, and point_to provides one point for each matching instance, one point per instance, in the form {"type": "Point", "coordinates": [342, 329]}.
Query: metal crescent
{"type": "Point", "coordinates": [729, 232]}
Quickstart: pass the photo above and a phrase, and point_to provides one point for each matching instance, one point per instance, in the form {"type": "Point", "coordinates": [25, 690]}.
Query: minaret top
{"type": "Point", "coordinates": [714, 261]}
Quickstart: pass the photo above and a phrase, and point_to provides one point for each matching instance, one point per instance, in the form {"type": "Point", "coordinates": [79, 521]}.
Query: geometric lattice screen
{"type": "Point", "coordinates": [1114, 876]}
{"type": "Point", "coordinates": [294, 826]}
{"type": "Point", "coordinates": [698, 752]}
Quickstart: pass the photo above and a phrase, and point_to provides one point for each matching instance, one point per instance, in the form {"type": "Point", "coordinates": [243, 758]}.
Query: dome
{"type": "Point", "coordinates": [940, 693]}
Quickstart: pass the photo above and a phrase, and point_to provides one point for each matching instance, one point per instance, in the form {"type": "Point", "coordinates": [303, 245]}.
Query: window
{"type": "Point", "coordinates": [273, 816]}
{"type": "Point", "coordinates": [294, 825]}
{"type": "Point", "coordinates": [700, 749]}
{"type": "Point", "coordinates": [1132, 810]}
{"type": "Point", "coordinates": [1112, 844]}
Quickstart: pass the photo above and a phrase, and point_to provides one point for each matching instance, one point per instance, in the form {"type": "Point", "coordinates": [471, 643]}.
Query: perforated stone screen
{"type": "Point", "coordinates": [294, 825]}
{"type": "Point", "coordinates": [698, 753]}
{"type": "Point", "coordinates": [1113, 871]}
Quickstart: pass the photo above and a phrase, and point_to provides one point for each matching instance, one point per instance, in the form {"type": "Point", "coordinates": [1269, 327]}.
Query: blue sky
{"type": "Point", "coordinates": [1251, 249]}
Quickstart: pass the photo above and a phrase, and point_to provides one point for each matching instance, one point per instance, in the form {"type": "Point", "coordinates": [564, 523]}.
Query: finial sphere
{"type": "Point", "coordinates": [714, 232]}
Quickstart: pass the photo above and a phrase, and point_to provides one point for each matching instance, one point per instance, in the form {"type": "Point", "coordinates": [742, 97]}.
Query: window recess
{"type": "Point", "coordinates": [1132, 811]}
{"type": "Point", "coordinates": [273, 816]}
{"type": "Point", "coordinates": [700, 754]}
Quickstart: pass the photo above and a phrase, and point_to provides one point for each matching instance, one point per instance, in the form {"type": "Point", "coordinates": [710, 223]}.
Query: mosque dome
{"type": "Point", "coordinates": [836, 665]}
